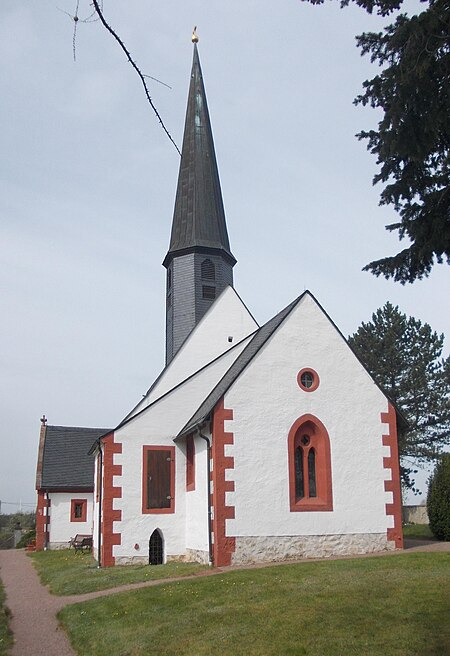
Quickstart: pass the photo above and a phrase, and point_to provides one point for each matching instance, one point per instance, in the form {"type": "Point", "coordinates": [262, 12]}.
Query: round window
{"type": "Point", "coordinates": [308, 380]}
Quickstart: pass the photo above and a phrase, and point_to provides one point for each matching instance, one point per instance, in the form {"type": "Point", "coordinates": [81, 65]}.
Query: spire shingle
{"type": "Point", "coordinates": [199, 217]}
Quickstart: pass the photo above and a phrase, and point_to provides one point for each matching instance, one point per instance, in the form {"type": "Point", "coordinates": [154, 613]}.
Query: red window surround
{"type": "Point", "coordinates": [314, 378]}
{"type": "Point", "coordinates": [190, 463]}
{"type": "Point", "coordinates": [158, 480]}
{"type": "Point", "coordinates": [78, 510]}
{"type": "Point", "coordinates": [309, 433]}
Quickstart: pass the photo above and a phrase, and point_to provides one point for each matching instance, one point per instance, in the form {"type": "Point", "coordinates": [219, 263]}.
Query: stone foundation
{"type": "Point", "coordinates": [197, 556]}
{"type": "Point", "coordinates": [131, 560]}
{"type": "Point", "coordinates": [53, 546]}
{"type": "Point", "coordinates": [191, 556]}
{"type": "Point", "coordinates": [279, 548]}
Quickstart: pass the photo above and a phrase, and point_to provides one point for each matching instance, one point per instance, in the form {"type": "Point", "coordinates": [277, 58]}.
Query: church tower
{"type": "Point", "coordinates": [199, 261]}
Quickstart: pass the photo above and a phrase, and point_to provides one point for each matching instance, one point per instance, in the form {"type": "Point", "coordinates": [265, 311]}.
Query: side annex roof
{"type": "Point", "coordinates": [66, 463]}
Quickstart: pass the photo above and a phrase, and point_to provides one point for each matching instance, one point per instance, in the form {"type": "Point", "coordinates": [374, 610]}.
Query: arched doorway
{"type": "Point", "coordinates": [156, 548]}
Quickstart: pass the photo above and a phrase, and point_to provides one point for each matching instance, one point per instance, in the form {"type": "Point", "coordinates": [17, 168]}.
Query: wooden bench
{"type": "Point", "coordinates": [81, 542]}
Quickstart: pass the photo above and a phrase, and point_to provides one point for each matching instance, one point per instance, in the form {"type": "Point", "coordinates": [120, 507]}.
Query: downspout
{"type": "Point", "coordinates": [100, 499]}
{"type": "Point", "coordinates": [47, 497]}
{"type": "Point", "coordinates": [208, 491]}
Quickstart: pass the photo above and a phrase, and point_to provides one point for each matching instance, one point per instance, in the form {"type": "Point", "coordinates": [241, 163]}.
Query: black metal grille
{"type": "Point", "coordinates": [155, 549]}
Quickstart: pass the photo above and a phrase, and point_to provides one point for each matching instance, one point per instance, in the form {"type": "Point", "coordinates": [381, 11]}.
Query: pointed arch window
{"type": "Point", "coordinates": [310, 485]}
{"type": "Point", "coordinates": [208, 270]}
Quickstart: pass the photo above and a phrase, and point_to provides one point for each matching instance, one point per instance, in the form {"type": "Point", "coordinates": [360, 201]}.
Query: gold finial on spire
{"type": "Point", "coordinates": [194, 35]}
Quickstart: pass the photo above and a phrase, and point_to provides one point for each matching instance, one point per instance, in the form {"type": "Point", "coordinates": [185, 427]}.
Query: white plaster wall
{"type": "Point", "coordinates": [196, 502]}
{"type": "Point", "coordinates": [267, 400]}
{"type": "Point", "coordinates": [227, 317]}
{"type": "Point", "coordinates": [61, 528]}
{"type": "Point", "coordinates": [158, 425]}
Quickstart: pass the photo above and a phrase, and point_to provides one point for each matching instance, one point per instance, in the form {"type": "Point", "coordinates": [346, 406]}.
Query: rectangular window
{"type": "Point", "coordinates": [190, 463]}
{"type": "Point", "coordinates": [158, 479]}
{"type": "Point", "coordinates": [78, 510]}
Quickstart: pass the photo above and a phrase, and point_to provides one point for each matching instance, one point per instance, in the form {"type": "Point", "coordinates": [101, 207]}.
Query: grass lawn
{"type": "Point", "coordinates": [67, 572]}
{"type": "Point", "coordinates": [418, 531]}
{"type": "Point", "coordinates": [392, 606]}
{"type": "Point", "coordinates": [5, 634]}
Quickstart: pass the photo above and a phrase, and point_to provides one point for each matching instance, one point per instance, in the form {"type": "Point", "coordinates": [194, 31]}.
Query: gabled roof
{"type": "Point", "coordinates": [199, 216]}
{"type": "Point", "coordinates": [257, 342]}
{"type": "Point", "coordinates": [66, 464]}
{"type": "Point", "coordinates": [223, 360]}
{"type": "Point", "coordinates": [260, 338]}
{"type": "Point", "coordinates": [227, 316]}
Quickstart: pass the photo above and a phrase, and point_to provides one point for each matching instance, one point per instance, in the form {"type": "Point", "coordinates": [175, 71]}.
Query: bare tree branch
{"type": "Point", "coordinates": [134, 65]}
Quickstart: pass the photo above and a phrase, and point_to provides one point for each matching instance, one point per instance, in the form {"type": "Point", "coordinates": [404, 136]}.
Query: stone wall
{"type": "Point", "coordinates": [415, 515]}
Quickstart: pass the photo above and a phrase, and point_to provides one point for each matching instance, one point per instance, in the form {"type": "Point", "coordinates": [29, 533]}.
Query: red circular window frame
{"type": "Point", "coordinates": [314, 374]}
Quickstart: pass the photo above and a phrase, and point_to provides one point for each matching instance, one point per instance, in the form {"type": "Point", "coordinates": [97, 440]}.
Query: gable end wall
{"type": "Point", "coordinates": [266, 401]}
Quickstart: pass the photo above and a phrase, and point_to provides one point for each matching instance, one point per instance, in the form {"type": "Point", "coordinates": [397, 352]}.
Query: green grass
{"type": "Point", "coordinates": [393, 606]}
{"type": "Point", "coordinates": [5, 633]}
{"type": "Point", "coordinates": [421, 531]}
{"type": "Point", "coordinates": [67, 572]}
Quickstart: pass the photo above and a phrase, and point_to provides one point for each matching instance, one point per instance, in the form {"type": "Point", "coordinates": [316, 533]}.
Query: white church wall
{"type": "Point", "coordinates": [61, 526]}
{"type": "Point", "coordinates": [197, 506]}
{"type": "Point", "coordinates": [227, 317]}
{"type": "Point", "coordinates": [157, 426]}
{"type": "Point", "coordinates": [266, 401]}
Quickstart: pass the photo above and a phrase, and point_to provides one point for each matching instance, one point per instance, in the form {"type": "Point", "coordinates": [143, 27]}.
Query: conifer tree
{"type": "Point", "coordinates": [412, 142]}
{"type": "Point", "coordinates": [404, 357]}
{"type": "Point", "coordinates": [438, 500]}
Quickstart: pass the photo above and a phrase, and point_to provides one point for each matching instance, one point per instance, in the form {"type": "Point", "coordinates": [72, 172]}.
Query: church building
{"type": "Point", "coordinates": [255, 443]}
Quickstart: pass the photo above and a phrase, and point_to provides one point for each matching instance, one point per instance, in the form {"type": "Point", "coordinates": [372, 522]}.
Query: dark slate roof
{"type": "Point", "coordinates": [199, 216]}
{"type": "Point", "coordinates": [66, 463]}
{"type": "Point", "coordinates": [257, 342]}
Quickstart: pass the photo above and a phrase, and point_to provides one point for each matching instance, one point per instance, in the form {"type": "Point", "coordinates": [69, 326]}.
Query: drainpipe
{"type": "Point", "coordinates": [208, 491]}
{"type": "Point", "coordinates": [47, 497]}
{"type": "Point", "coordinates": [100, 498]}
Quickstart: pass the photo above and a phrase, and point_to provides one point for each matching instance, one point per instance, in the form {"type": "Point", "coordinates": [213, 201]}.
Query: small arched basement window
{"type": "Point", "coordinates": [309, 458]}
{"type": "Point", "coordinates": [155, 548]}
{"type": "Point", "coordinates": [208, 270]}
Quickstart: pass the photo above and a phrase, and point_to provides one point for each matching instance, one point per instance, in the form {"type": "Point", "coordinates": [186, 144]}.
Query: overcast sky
{"type": "Point", "coordinates": [88, 183]}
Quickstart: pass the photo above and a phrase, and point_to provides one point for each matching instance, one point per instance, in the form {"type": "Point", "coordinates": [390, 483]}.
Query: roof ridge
{"type": "Point", "coordinates": [237, 367]}
{"type": "Point", "coordinates": [127, 419]}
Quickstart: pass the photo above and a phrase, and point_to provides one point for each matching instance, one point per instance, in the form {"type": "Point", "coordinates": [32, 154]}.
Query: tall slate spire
{"type": "Point", "coordinates": [199, 216]}
{"type": "Point", "coordinates": [199, 261]}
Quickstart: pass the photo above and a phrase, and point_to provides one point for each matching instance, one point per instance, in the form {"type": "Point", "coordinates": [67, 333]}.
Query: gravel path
{"type": "Point", "coordinates": [34, 624]}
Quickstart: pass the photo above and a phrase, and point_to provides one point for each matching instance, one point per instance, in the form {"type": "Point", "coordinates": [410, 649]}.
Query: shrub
{"type": "Point", "coordinates": [438, 500]}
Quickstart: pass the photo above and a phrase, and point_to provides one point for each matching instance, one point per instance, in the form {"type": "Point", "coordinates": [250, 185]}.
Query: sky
{"type": "Point", "coordinates": [88, 180]}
